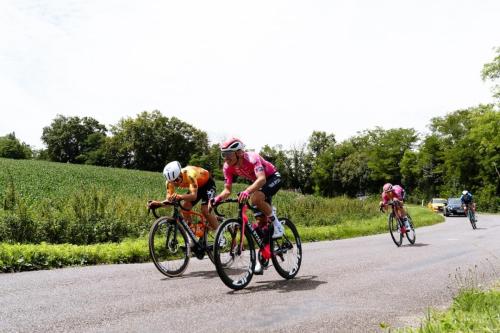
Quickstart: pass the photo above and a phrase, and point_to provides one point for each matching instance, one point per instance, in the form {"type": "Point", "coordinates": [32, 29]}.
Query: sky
{"type": "Point", "coordinates": [268, 72]}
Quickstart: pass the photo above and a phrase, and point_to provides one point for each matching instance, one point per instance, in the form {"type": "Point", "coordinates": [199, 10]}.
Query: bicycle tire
{"type": "Point", "coordinates": [393, 224]}
{"type": "Point", "coordinates": [170, 256]}
{"type": "Point", "coordinates": [410, 234]}
{"type": "Point", "coordinates": [289, 257]}
{"type": "Point", "coordinates": [235, 269]}
{"type": "Point", "coordinates": [472, 220]}
{"type": "Point", "coordinates": [208, 241]}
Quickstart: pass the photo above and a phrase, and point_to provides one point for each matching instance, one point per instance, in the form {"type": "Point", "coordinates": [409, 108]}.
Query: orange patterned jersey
{"type": "Point", "coordinates": [192, 177]}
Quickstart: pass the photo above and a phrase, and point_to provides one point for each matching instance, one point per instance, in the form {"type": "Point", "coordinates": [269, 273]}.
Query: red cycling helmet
{"type": "Point", "coordinates": [388, 187]}
{"type": "Point", "coordinates": [232, 144]}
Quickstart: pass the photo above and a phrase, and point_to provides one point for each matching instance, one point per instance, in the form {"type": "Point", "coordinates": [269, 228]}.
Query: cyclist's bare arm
{"type": "Point", "coordinates": [258, 183]}
{"type": "Point", "coordinates": [226, 191]}
{"type": "Point", "coordinates": [193, 192]}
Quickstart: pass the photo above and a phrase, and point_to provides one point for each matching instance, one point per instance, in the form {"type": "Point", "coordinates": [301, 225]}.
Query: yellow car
{"type": "Point", "coordinates": [437, 205]}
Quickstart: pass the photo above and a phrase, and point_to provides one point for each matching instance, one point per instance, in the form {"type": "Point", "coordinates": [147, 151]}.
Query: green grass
{"type": "Point", "coordinates": [472, 310]}
{"type": "Point", "coordinates": [29, 257]}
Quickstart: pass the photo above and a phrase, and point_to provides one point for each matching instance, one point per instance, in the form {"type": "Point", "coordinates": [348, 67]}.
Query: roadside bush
{"type": "Point", "coordinates": [487, 200]}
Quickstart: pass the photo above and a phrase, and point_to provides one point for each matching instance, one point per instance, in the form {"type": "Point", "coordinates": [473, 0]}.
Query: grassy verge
{"type": "Point", "coordinates": [30, 257]}
{"type": "Point", "coordinates": [364, 227]}
{"type": "Point", "coordinates": [27, 257]}
{"type": "Point", "coordinates": [472, 310]}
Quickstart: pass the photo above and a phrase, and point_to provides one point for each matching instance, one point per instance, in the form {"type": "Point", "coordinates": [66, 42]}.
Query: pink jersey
{"type": "Point", "coordinates": [398, 194]}
{"type": "Point", "coordinates": [252, 163]}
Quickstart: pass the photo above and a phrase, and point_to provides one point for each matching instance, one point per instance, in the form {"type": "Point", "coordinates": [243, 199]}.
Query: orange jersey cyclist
{"type": "Point", "coordinates": [250, 165]}
{"type": "Point", "coordinates": [197, 180]}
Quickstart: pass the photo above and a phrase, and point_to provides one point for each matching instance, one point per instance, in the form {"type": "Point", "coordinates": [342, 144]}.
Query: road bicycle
{"type": "Point", "coordinates": [173, 239]}
{"type": "Point", "coordinates": [397, 227]}
{"type": "Point", "coordinates": [471, 215]}
{"type": "Point", "coordinates": [235, 241]}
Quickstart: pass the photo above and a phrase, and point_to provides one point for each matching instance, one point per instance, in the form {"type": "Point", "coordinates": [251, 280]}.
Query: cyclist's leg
{"type": "Point", "coordinates": [187, 217]}
{"type": "Point", "coordinates": [264, 195]}
{"type": "Point", "coordinates": [205, 193]}
{"type": "Point", "coordinates": [258, 199]}
{"type": "Point", "coordinates": [400, 212]}
{"type": "Point", "coordinates": [262, 198]}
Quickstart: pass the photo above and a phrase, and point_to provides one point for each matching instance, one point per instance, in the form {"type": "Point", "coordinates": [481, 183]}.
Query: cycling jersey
{"type": "Point", "coordinates": [398, 193]}
{"type": "Point", "coordinates": [252, 163]}
{"type": "Point", "coordinates": [466, 199]}
{"type": "Point", "coordinates": [192, 177]}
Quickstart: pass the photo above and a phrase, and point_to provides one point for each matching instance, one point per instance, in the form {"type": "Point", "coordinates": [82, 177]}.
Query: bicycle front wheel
{"type": "Point", "coordinates": [472, 219]}
{"type": "Point", "coordinates": [287, 251]}
{"type": "Point", "coordinates": [234, 254]}
{"type": "Point", "coordinates": [394, 230]}
{"type": "Point", "coordinates": [168, 247]}
{"type": "Point", "coordinates": [410, 234]}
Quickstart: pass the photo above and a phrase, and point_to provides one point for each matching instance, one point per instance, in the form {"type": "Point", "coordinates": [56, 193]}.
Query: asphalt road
{"type": "Point", "coordinates": [344, 286]}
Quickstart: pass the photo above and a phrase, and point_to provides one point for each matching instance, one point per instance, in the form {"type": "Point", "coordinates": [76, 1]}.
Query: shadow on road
{"type": "Point", "coordinates": [308, 282]}
{"type": "Point", "coordinates": [210, 274]}
{"type": "Point", "coordinates": [415, 245]}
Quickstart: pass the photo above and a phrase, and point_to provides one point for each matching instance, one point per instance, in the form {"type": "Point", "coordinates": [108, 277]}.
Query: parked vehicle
{"type": "Point", "coordinates": [454, 207]}
{"type": "Point", "coordinates": [437, 205]}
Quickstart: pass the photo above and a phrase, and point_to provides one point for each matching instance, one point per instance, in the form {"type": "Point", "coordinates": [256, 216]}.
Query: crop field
{"type": "Point", "coordinates": [37, 180]}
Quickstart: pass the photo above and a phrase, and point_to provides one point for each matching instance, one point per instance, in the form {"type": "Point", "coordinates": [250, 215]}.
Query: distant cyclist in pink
{"type": "Point", "coordinates": [250, 165]}
{"type": "Point", "coordinates": [395, 194]}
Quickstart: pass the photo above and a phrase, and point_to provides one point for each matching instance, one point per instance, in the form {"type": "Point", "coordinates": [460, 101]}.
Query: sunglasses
{"type": "Point", "coordinates": [225, 154]}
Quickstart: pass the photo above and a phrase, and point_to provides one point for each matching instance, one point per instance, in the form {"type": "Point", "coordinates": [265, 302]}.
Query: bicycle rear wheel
{"type": "Point", "coordinates": [394, 230]}
{"type": "Point", "coordinates": [287, 251]}
{"type": "Point", "coordinates": [168, 247]}
{"type": "Point", "coordinates": [234, 259]}
{"type": "Point", "coordinates": [410, 234]}
{"type": "Point", "coordinates": [208, 241]}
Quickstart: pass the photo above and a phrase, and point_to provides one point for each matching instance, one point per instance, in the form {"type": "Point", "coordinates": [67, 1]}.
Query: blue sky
{"type": "Point", "coordinates": [270, 72]}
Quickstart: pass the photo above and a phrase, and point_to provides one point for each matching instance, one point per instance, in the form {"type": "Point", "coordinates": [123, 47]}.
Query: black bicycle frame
{"type": "Point", "coordinates": [243, 219]}
{"type": "Point", "coordinates": [180, 221]}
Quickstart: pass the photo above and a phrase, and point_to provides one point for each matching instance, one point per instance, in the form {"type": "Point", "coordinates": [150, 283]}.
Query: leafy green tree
{"type": "Point", "coordinates": [460, 162]}
{"type": "Point", "coordinates": [299, 165]}
{"type": "Point", "coordinates": [278, 157]}
{"type": "Point", "coordinates": [10, 147]}
{"type": "Point", "coordinates": [491, 71]}
{"type": "Point", "coordinates": [151, 140]}
{"type": "Point", "coordinates": [210, 161]}
{"type": "Point", "coordinates": [319, 142]}
{"type": "Point", "coordinates": [385, 150]}
{"type": "Point", "coordinates": [71, 139]}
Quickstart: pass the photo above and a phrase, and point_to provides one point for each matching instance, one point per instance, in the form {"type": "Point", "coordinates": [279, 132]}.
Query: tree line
{"type": "Point", "coordinates": [462, 151]}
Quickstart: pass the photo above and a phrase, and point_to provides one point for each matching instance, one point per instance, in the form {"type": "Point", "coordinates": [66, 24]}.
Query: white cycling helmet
{"type": "Point", "coordinates": [464, 192]}
{"type": "Point", "coordinates": [232, 144]}
{"type": "Point", "coordinates": [172, 171]}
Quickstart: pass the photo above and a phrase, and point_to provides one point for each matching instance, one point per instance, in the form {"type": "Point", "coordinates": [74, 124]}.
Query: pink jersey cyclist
{"type": "Point", "coordinates": [252, 163]}
{"type": "Point", "coordinates": [397, 192]}
{"type": "Point", "coordinates": [391, 193]}
{"type": "Point", "coordinates": [266, 181]}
